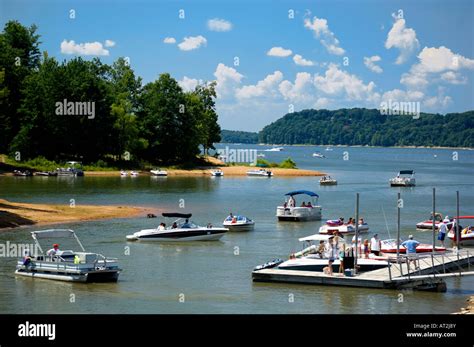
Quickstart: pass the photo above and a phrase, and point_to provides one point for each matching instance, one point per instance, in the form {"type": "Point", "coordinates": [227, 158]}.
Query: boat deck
{"type": "Point", "coordinates": [429, 276]}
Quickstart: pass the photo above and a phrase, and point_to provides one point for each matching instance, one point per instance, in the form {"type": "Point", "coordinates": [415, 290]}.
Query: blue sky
{"type": "Point", "coordinates": [330, 54]}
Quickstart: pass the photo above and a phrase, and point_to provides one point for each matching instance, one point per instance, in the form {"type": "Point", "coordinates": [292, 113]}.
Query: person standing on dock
{"type": "Point", "coordinates": [442, 230]}
{"type": "Point", "coordinates": [375, 245]}
{"type": "Point", "coordinates": [410, 245]}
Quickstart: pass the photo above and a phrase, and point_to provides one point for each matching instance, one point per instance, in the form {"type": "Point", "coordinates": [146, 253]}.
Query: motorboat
{"type": "Point", "coordinates": [329, 149]}
{"type": "Point", "coordinates": [260, 155]}
{"type": "Point", "coordinates": [260, 173]}
{"type": "Point", "coordinates": [134, 173]}
{"type": "Point", "coordinates": [123, 173]}
{"type": "Point", "coordinates": [74, 169]}
{"type": "Point", "coordinates": [390, 246]}
{"type": "Point", "coordinates": [327, 181]}
{"type": "Point", "coordinates": [405, 178]}
{"type": "Point", "coordinates": [217, 173]}
{"type": "Point", "coordinates": [67, 265]}
{"type": "Point", "coordinates": [438, 217]}
{"type": "Point", "coordinates": [467, 233]}
{"type": "Point", "coordinates": [179, 231]}
{"type": "Point", "coordinates": [290, 212]}
{"type": "Point", "coordinates": [46, 173]}
{"type": "Point", "coordinates": [319, 155]}
{"type": "Point", "coordinates": [238, 223]}
{"type": "Point", "coordinates": [335, 225]}
{"type": "Point", "coordinates": [274, 149]}
{"type": "Point", "coordinates": [312, 258]}
{"type": "Point", "coordinates": [19, 173]}
{"type": "Point", "coordinates": [159, 172]}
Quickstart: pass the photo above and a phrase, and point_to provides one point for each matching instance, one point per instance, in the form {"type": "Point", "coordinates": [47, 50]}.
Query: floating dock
{"type": "Point", "coordinates": [430, 274]}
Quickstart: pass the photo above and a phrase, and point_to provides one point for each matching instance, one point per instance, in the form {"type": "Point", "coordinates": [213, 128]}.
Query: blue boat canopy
{"type": "Point", "coordinates": [307, 192]}
{"type": "Point", "coordinates": [407, 172]}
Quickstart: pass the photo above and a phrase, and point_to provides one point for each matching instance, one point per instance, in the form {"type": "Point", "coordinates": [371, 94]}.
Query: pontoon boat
{"type": "Point", "coordinates": [67, 265]}
{"type": "Point", "coordinates": [180, 230]}
{"type": "Point", "coordinates": [405, 178]}
{"type": "Point", "coordinates": [74, 169]}
{"type": "Point", "coordinates": [290, 212]}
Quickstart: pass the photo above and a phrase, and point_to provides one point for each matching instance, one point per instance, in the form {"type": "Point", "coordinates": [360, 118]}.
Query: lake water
{"type": "Point", "coordinates": [215, 277]}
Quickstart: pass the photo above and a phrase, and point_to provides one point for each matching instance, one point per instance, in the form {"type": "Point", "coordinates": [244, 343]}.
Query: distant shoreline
{"type": "Point", "coordinates": [350, 146]}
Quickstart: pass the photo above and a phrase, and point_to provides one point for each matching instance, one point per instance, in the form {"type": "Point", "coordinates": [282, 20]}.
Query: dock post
{"type": "Point", "coordinates": [398, 233]}
{"type": "Point", "coordinates": [444, 267]}
{"type": "Point", "coordinates": [389, 270]}
{"type": "Point", "coordinates": [356, 232]}
{"type": "Point", "coordinates": [457, 232]}
{"type": "Point", "coordinates": [434, 215]}
{"type": "Point", "coordinates": [468, 261]}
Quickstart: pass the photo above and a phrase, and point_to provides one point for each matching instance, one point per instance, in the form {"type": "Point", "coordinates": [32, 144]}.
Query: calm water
{"type": "Point", "coordinates": [215, 277]}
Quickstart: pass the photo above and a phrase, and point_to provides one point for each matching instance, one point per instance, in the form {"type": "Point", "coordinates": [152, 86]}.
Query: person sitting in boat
{"type": "Point", "coordinates": [27, 258]}
{"type": "Point", "coordinates": [292, 201]}
{"type": "Point", "coordinates": [234, 219]}
{"type": "Point", "coordinates": [161, 227]}
{"type": "Point", "coordinates": [321, 249]}
{"type": "Point", "coordinates": [186, 224]}
{"type": "Point", "coordinates": [341, 220]}
{"type": "Point", "coordinates": [174, 226]}
{"type": "Point", "coordinates": [350, 221]}
{"type": "Point", "coordinates": [303, 204]}
{"type": "Point", "coordinates": [309, 204]}
{"type": "Point", "coordinates": [361, 221]}
{"type": "Point", "coordinates": [54, 251]}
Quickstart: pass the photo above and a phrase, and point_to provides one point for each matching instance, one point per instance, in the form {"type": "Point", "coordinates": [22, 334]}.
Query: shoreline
{"type": "Point", "coordinates": [470, 307]}
{"type": "Point", "coordinates": [14, 214]}
{"type": "Point", "coordinates": [357, 146]}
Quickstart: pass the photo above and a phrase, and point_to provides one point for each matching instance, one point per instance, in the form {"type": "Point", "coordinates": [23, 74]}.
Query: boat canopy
{"type": "Point", "coordinates": [318, 237]}
{"type": "Point", "coordinates": [53, 233]}
{"type": "Point", "coordinates": [407, 172]}
{"type": "Point", "coordinates": [466, 217]}
{"type": "Point", "coordinates": [307, 192]}
{"type": "Point", "coordinates": [177, 215]}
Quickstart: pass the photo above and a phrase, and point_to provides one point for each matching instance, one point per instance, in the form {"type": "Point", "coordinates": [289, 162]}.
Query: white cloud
{"type": "Point", "coordinates": [339, 82]}
{"type": "Point", "coordinates": [87, 48]}
{"type": "Point", "coordinates": [299, 60]}
{"type": "Point", "coordinates": [437, 102]}
{"type": "Point", "coordinates": [402, 38]}
{"type": "Point", "coordinates": [302, 90]}
{"type": "Point", "coordinates": [227, 79]}
{"type": "Point", "coordinates": [322, 103]}
{"type": "Point", "coordinates": [398, 95]}
{"type": "Point", "coordinates": [217, 24]}
{"type": "Point", "coordinates": [370, 63]}
{"type": "Point", "coordinates": [453, 78]}
{"type": "Point", "coordinates": [265, 87]}
{"type": "Point", "coordinates": [279, 52]}
{"type": "Point", "coordinates": [189, 84]}
{"type": "Point", "coordinates": [169, 40]}
{"type": "Point", "coordinates": [109, 43]}
{"type": "Point", "coordinates": [320, 28]}
{"type": "Point", "coordinates": [192, 42]}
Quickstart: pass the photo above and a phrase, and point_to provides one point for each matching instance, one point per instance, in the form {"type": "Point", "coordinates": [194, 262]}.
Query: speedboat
{"type": "Point", "coordinates": [260, 155]}
{"type": "Point", "coordinates": [329, 149]}
{"type": "Point", "coordinates": [327, 181]}
{"type": "Point", "coordinates": [46, 173]}
{"type": "Point", "coordinates": [290, 212]}
{"type": "Point", "coordinates": [26, 173]}
{"type": "Point", "coordinates": [274, 149]}
{"type": "Point", "coordinates": [405, 178]}
{"type": "Point", "coordinates": [467, 233]}
{"type": "Point", "coordinates": [181, 230]}
{"type": "Point", "coordinates": [438, 217]}
{"type": "Point", "coordinates": [67, 265]}
{"type": "Point", "coordinates": [335, 225]}
{"type": "Point", "coordinates": [134, 173]}
{"type": "Point", "coordinates": [260, 173]}
{"type": "Point", "coordinates": [123, 173]}
{"type": "Point", "coordinates": [74, 169]}
{"type": "Point", "coordinates": [390, 246]}
{"type": "Point", "coordinates": [217, 173]}
{"type": "Point", "coordinates": [238, 223]}
{"type": "Point", "coordinates": [311, 259]}
{"type": "Point", "coordinates": [318, 155]}
{"type": "Point", "coordinates": [159, 172]}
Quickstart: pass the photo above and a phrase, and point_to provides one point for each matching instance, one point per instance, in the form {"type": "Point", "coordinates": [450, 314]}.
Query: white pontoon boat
{"type": "Point", "coordinates": [290, 212]}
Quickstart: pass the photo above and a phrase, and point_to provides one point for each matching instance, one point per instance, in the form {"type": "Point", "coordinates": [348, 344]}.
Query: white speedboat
{"type": "Point", "coordinates": [312, 259]}
{"type": "Point", "coordinates": [405, 178]}
{"type": "Point", "coordinates": [260, 155]}
{"type": "Point", "coordinates": [134, 173]}
{"type": "Point", "coordinates": [68, 265]}
{"type": "Point", "coordinates": [428, 224]}
{"type": "Point", "coordinates": [290, 212]}
{"type": "Point", "coordinates": [260, 173]}
{"type": "Point", "coordinates": [319, 155]}
{"type": "Point", "coordinates": [329, 149]}
{"type": "Point", "coordinates": [159, 172]}
{"type": "Point", "coordinates": [333, 226]}
{"type": "Point", "coordinates": [274, 149]}
{"type": "Point", "coordinates": [123, 173]}
{"type": "Point", "coordinates": [179, 231]}
{"type": "Point", "coordinates": [390, 247]}
{"type": "Point", "coordinates": [467, 233]}
{"type": "Point", "coordinates": [217, 173]}
{"type": "Point", "coordinates": [238, 223]}
{"type": "Point", "coordinates": [327, 181]}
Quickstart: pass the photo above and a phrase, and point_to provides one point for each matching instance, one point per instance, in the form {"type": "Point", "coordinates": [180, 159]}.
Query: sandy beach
{"type": "Point", "coordinates": [13, 214]}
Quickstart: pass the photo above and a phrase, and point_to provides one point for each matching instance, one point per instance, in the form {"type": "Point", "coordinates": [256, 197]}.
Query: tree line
{"type": "Point", "coordinates": [360, 126]}
{"type": "Point", "coordinates": [40, 97]}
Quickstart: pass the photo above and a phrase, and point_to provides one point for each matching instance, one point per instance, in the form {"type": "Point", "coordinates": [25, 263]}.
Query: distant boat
{"type": "Point", "coordinates": [158, 172]}
{"type": "Point", "coordinates": [329, 149]}
{"type": "Point", "coordinates": [260, 173]}
{"type": "Point", "coordinates": [327, 181]}
{"type": "Point", "coordinates": [275, 149]}
{"type": "Point", "coordinates": [405, 178]}
{"type": "Point", "coordinates": [134, 173]}
{"type": "Point", "coordinates": [238, 223]}
{"type": "Point", "coordinates": [261, 155]}
{"type": "Point", "coordinates": [289, 211]}
{"type": "Point", "coordinates": [74, 169]}
{"type": "Point", "coordinates": [123, 173]}
{"type": "Point", "coordinates": [217, 173]}
{"type": "Point", "coordinates": [318, 155]}
{"type": "Point", "coordinates": [22, 173]}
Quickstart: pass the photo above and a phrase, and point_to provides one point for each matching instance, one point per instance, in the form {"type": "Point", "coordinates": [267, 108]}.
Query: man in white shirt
{"type": "Point", "coordinates": [375, 245]}
{"type": "Point", "coordinates": [54, 251]}
{"type": "Point", "coordinates": [442, 230]}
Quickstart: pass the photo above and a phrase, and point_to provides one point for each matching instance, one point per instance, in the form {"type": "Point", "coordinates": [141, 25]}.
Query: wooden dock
{"type": "Point", "coordinates": [429, 276]}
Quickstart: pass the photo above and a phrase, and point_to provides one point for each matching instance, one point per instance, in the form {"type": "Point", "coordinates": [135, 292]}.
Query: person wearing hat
{"type": "Point", "coordinates": [442, 230]}
{"type": "Point", "coordinates": [54, 251]}
{"type": "Point", "coordinates": [375, 245]}
{"type": "Point", "coordinates": [410, 245]}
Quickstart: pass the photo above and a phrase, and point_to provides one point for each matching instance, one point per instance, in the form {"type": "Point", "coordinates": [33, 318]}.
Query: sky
{"type": "Point", "coordinates": [273, 57]}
